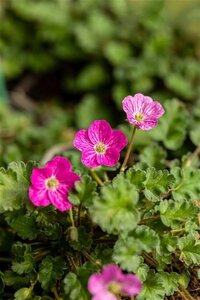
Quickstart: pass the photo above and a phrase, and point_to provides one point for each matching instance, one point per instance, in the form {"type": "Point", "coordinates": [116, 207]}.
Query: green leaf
{"type": "Point", "coordinates": [173, 213]}
{"type": "Point", "coordinates": [172, 126]}
{"type": "Point", "coordinates": [187, 183]}
{"type": "Point", "coordinates": [136, 177]}
{"type": "Point", "coordinates": [15, 280]}
{"type": "Point", "coordinates": [153, 156]}
{"type": "Point", "coordinates": [14, 184]}
{"type": "Point", "coordinates": [24, 225]}
{"type": "Point", "coordinates": [166, 247]}
{"type": "Point", "coordinates": [146, 237]}
{"type": "Point", "coordinates": [51, 269]}
{"type": "Point", "coordinates": [126, 253]}
{"type": "Point", "coordinates": [169, 281]}
{"type": "Point", "coordinates": [73, 288]}
{"type": "Point", "coordinates": [85, 191]}
{"type": "Point", "coordinates": [23, 262]}
{"type": "Point", "coordinates": [84, 239]}
{"type": "Point", "coordinates": [152, 288]}
{"type": "Point", "coordinates": [23, 294]}
{"type": "Point", "coordinates": [115, 209]}
{"type": "Point", "coordinates": [190, 250]}
{"type": "Point", "coordinates": [195, 124]}
{"type": "Point", "coordinates": [157, 183]}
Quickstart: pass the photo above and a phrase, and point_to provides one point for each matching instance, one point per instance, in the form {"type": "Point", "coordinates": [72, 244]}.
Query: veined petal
{"type": "Point", "coordinates": [82, 141]}
{"type": "Point", "coordinates": [110, 158]}
{"type": "Point", "coordinates": [118, 140]}
{"type": "Point", "coordinates": [99, 131]}
{"type": "Point", "coordinates": [89, 158]}
{"type": "Point", "coordinates": [38, 197]}
{"type": "Point", "coordinates": [58, 162]}
{"type": "Point", "coordinates": [155, 110]}
{"type": "Point", "coordinates": [148, 124]}
{"type": "Point", "coordinates": [38, 177]}
{"type": "Point", "coordinates": [59, 199]}
{"type": "Point", "coordinates": [67, 178]}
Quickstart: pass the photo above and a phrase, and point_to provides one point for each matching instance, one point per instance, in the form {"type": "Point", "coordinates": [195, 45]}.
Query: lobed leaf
{"type": "Point", "coordinates": [190, 250]}
{"type": "Point", "coordinates": [115, 210]}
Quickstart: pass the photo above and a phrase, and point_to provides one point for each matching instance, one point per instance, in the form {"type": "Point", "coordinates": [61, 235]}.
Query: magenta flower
{"type": "Point", "coordinates": [112, 282]}
{"type": "Point", "coordinates": [51, 184]}
{"type": "Point", "coordinates": [100, 145]}
{"type": "Point", "coordinates": [142, 111]}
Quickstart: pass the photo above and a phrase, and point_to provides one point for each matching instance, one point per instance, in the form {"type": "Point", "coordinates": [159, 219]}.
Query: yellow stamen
{"type": "Point", "coordinates": [139, 117]}
{"type": "Point", "coordinates": [52, 183]}
{"type": "Point", "coordinates": [100, 148]}
{"type": "Point", "coordinates": [114, 287]}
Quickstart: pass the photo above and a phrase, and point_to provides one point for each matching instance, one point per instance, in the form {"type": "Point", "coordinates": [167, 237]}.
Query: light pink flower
{"type": "Point", "coordinates": [100, 145]}
{"type": "Point", "coordinates": [142, 111]}
{"type": "Point", "coordinates": [112, 282]}
{"type": "Point", "coordinates": [51, 184]}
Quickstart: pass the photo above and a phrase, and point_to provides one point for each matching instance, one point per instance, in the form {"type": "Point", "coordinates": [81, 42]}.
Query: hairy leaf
{"type": "Point", "coordinates": [190, 250]}
{"type": "Point", "coordinates": [23, 262]}
{"type": "Point", "coordinates": [51, 269]}
{"type": "Point", "coordinates": [115, 210]}
{"type": "Point", "coordinates": [14, 183]}
{"type": "Point", "coordinates": [157, 183]}
{"type": "Point", "coordinates": [175, 213]}
{"type": "Point", "coordinates": [85, 191]}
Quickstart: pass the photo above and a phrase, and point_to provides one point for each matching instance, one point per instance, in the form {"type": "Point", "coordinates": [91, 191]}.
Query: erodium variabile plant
{"type": "Point", "coordinates": [111, 225]}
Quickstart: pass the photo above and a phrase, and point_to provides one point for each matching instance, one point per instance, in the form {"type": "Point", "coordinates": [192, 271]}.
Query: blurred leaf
{"type": "Point", "coordinates": [73, 288]}
{"type": "Point", "coordinates": [115, 210]}
{"type": "Point", "coordinates": [172, 126]}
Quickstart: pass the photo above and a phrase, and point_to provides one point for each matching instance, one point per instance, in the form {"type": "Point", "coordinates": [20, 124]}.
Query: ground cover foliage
{"type": "Point", "coordinates": [145, 220]}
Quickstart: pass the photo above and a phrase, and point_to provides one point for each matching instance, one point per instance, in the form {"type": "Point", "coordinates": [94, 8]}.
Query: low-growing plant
{"type": "Point", "coordinates": [110, 228]}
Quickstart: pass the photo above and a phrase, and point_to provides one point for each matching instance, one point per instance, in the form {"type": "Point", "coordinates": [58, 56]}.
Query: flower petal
{"type": "Point", "coordinates": [67, 178]}
{"type": "Point", "coordinates": [118, 140]}
{"type": "Point", "coordinates": [99, 131]}
{"type": "Point", "coordinates": [39, 197]}
{"type": "Point", "coordinates": [89, 159]}
{"type": "Point", "coordinates": [154, 110]}
{"type": "Point", "coordinates": [131, 285]}
{"type": "Point", "coordinates": [147, 124]}
{"type": "Point", "coordinates": [58, 162]}
{"type": "Point", "coordinates": [38, 177]}
{"type": "Point", "coordinates": [104, 295]}
{"type": "Point", "coordinates": [112, 272]}
{"type": "Point", "coordinates": [59, 199]}
{"type": "Point", "coordinates": [96, 283]}
{"type": "Point", "coordinates": [82, 141]}
{"type": "Point", "coordinates": [110, 158]}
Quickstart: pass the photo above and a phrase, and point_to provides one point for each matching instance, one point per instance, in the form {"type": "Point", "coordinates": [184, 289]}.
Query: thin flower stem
{"type": "Point", "coordinates": [123, 167]}
{"type": "Point", "coordinates": [189, 297]}
{"type": "Point", "coordinates": [57, 297]}
{"type": "Point", "coordinates": [106, 177]}
{"type": "Point", "coordinates": [182, 295]}
{"type": "Point", "coordinates": [96, 177]}
{"type": "Point", "coordinates": [71, 217]}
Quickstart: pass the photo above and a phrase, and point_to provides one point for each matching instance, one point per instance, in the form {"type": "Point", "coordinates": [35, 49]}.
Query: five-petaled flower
{"type": "Point", "coordinates": [51, 184]}
{"type": "Point", "coordinates": [142, 111]}
{"type": "Point", "coordinates": [100, 145]}
{"type": "Point", "coordinates": [112, 282]}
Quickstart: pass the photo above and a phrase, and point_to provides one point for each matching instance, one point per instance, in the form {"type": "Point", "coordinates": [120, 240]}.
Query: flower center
{"type": "Point", "coordinates": [100, 148]}
{"type": "Point", "coordinates": [114, 287]}
{"type": "Point", "coordinates": [52, 183]}
{"type": "Point", "coordinates": [139, 117]}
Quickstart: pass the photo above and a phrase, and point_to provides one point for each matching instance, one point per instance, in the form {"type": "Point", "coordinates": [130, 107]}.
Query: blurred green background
{"type": "Point", "coordinates": [66, 63]}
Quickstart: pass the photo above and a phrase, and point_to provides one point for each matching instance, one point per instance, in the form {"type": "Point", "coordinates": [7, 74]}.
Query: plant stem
{"type": "Point", "coordinates": [54, 290]}
{"type": "Point", "coordinates": [71, 217]}
{"type": "Point", "coordinates": [96, 177]}
{"type": "Point", "coordinates": [152, 218]}
{"type": "Point", "coordinates": [123, 167]}
{"type": "Point", "coordinates": [182, 295]}
{"type": "Point", "coordinates": [189, 297]}
{"type": "Point", "coordinates": [91, 259]}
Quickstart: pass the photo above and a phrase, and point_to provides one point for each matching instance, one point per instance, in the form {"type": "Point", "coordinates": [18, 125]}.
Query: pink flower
{"type": "Point", "coordinates": [142, 111]}
{"type": "Point", "coordinates": [51, 184]}
{"type": "Point", "coordinates": [112, 282]}
{"type": "Point", "coordinates": [100, 145]}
